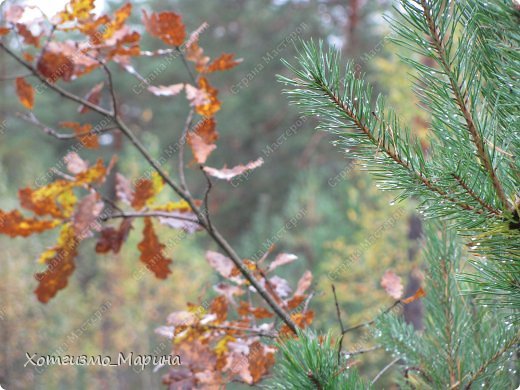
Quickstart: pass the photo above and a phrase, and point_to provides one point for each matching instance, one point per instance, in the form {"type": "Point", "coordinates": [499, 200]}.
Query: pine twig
{"type": "Point", "coordinates": [385, 369]}
{"type": "Point", "coordinates": [368, 323]}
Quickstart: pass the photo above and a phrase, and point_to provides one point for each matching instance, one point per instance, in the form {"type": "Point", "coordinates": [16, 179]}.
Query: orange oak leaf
{"type": "Point", "coordinates": [213, 105]}
{"type": "Point", "coordinates": [27, 36]}
{"type": "Point", "coordinates": [112, 239]}
{"type": "Point", "coordinates": [219, 307]}
{"type": "Point", "coordinates": [55, 65]}
{"type": "Point", "coordinates": [143, 191]}
{"type": "Point", "coordinates": [83, 133]}
{"type": "Point", "coordinates": [166, 90]}
{"type": "Point", "coordinates": [260, 360]}
{"type": "Point", "coordinates": [195, 53]}
{"type": "Point", "coordinates": [224, 62]}
{"type": "Point", "coordinates": [25, 93]}
{"type": "Point", "coordinates": [257, 312]}
{"type": "Point", "coordinates": [230, 173]}
{"type": "Point", "coordinates": [152, 252]}
{"type": "Point", "coordinates": [295, 301]}
{"type": "Point", "coordinates": [207, 130]}
{"type": "Point", "coordinates": [60, 265]}
{"type": "Point", "coordinates": [120, 17]}
{"type": "Point", "coordinates": [166, 26]}
{"type": "Point", "coordinates": [56, 199]}
{"type": "Point", "coordinates": [4, 31]}
{"type": "Point", "coordinates": [95, 174]}
{"type": "Point", "coordinates": [391, 282]}
{"type": "Point", "coordinates": [93, 96]}
{"type": "Point", "coordinates": [418, 294]}
{"type": "Point", "coordinates": [14, 224]}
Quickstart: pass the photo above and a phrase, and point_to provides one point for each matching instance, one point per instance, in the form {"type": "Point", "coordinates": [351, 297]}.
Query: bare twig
{"type": "Point", "coordinates": [342, 328]}
{"type": "Point", "coordinates": [10, 78]}
{"type": "Point", "coordinates": [206, 197]}
{"type": "Point", "coordinates": [368, 323]}
{"type": "Point", "coordinates": [31, 118]}
{"type": "Point", "coordinates": [159, 214]}
{"type": "Point", "coordinates": [385, 369]}
{"type": "Point", "coordinates": [256, 332]}
{"type": "Point", "coordinates": [182, 144]}
{"type": "Point", "coordinates": [362, 351]}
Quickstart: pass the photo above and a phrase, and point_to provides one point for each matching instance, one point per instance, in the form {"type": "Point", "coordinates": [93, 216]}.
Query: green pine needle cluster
{"type": "Point", "coordinates": [310, 362]}
{"type": "Point", "coordinates": [463, 345]}
{"type": "Point", "coordinates": [467, 60]}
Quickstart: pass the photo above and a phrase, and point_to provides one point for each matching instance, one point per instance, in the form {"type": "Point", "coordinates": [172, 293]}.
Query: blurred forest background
{"type": "Point", "coordinates": [109, 305]}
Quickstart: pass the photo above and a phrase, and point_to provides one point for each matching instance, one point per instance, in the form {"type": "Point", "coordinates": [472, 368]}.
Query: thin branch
{"type": "Point", "coordinates": [9, 78]}
{"type": "Point", "coordinates": [492, 359]}
{"type": "Point", "coordinates": [56, 88]}
{"type": "Point", "coordinates": [182, 144]}
{"type": "Point", "coordinates": [31, 118]}
{"type": "Point", "coordinates": [461, 102]}
{"type": "Point", "coordinates": [392, 153]}
{"type": "Point", "coordinates": [110, 87]}
{"type": "Point", "coordinates": [206, 197]}
{"type": "Point", "coordinates": [368, 323]}
{"type": "Point", "coordinates": [256, 332]}
{"type": "Point", "coordinates": [158, 214]}
{"type": "Point", "coordinates": [342, 328]}
{"type": "Point", "coordinates": [385, 369]}
{"type": "Point", "coordinates": [362, 351]}
{"type": "Point", "coordinates": [213, 233]}
{"type": "Point", "coordinates": [186, 65]}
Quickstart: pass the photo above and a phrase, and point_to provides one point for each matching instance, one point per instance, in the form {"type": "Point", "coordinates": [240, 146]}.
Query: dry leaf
{"type": "Point", "coordinates": [166, 26]}
{"type": "Point", "coordinates": [14, 224]}
{"type": "Point", "coordinates": [112, 239]}
{"type": "Point", "coordinates": [152, 252]}
{"type": "Point", "coordinates": [281, 259]}
{"type": "Point", "coordinates": [74, 163]}
{"type": "Point", "coordinates": [166, 90]}
{"type": "Point", "coordinates": [304, 283]}
{"type": "Point", "coordinates": [392, 284]}
{"type": "Point", "coordinates": [59, 266]}
{"type": "Point", "coordinates": [229, 173]}
{"type": "Point", "coordinates": [25, 93]}
{"type": "Point", "coordinates": [418, 294]}
{"type": "Point", "coordinates": [86, 215]}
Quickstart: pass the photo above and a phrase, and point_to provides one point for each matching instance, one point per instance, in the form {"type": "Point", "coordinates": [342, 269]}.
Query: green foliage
{"type": "Point", "coordinates": [468, 174]}
{"type": "Point", "coordinates": [462, 345]}
{"type": "Point", "coordinates": [310, 362]}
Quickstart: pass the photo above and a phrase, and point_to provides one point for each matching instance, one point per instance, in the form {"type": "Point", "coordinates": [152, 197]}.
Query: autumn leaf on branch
{"type": "Point", "coordinates": [60, 265]}
{"type": "Point", "coordinates": [166, 26]}
{"type": "Point", "coordinates": [230, 173]}
{"type": "Point", "coordinates": [25, 93]}
{"type": "Point", "coordinates": [391, 282]}
{"type": "Point", "coordinates": [152, 252]}
{"type": "Point", "coordinates": [112, 239]}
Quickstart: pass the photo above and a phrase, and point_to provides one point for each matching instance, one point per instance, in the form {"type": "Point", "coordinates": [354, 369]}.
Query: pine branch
{"type": "Point", "coordinates": [492, 359]}
{"type": "Point", "coordinates": [461, 99]}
